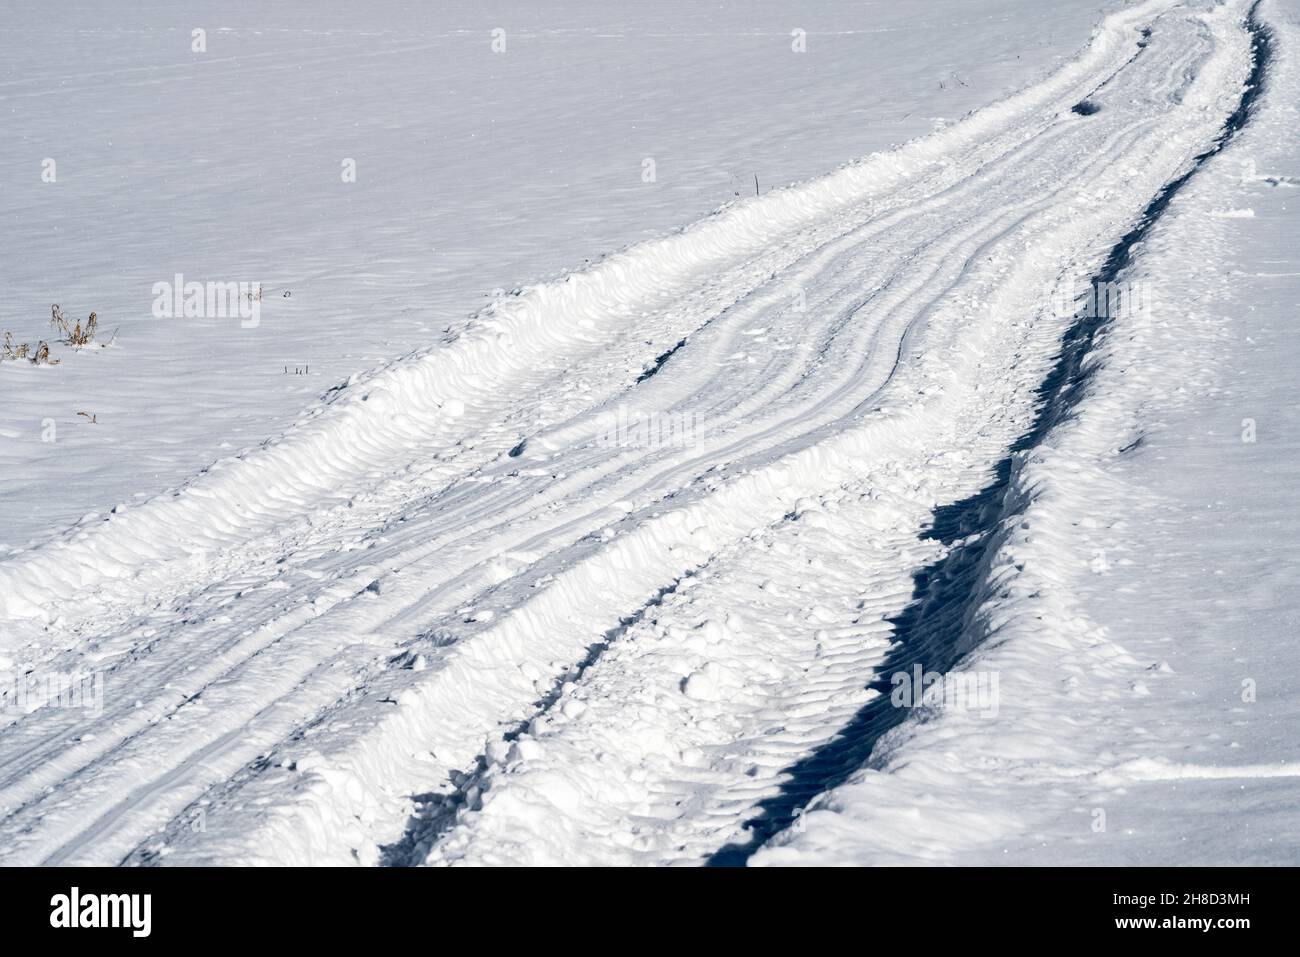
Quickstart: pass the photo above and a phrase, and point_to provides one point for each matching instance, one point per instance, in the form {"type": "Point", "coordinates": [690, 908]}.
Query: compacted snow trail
{"type": "Point", "coordinates": [1131, 655]}
{"type": "Point", "coordinates": [591, 578]}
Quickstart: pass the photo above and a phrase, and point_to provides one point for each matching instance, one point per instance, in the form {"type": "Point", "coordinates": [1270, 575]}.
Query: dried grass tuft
{"type": "Point", "coordinates": [42, 356]}
{"type": "Point", "coordinates": [69, 333]}
{"type": "Point", "coordinates": [76, 335]}
{"type": "Point", "coordinates": [12, 351]}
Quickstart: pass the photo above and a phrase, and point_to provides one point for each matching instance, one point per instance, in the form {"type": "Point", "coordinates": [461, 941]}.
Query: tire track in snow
{"type": "Point", "coordinates": [929, 630]}
{"type": "Point", "coordinates": [421, 565]}
{"type": "Point", "coordinates": [115, 817]}
{"type": "Point", "coordinates": [1035, 380]}
{"type": "Point", "coordinates": [934, 631]}
{"type": "Point", "coordinates": [436, 812]}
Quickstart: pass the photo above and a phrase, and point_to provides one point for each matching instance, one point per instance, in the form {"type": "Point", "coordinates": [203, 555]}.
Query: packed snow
{"type": "Point", "coordinates": [672, 434]}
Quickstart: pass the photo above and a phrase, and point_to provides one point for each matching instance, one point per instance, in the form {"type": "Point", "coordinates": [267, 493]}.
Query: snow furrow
{"type": "Point", "coordinates": [439, 544]}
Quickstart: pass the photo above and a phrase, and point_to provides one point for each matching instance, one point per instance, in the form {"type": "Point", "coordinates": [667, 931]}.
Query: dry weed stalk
{"type": "Point", "coordinates": [73, 335]}
{"type": "Point", "coordinates": [12, 351]}
{"type": "Point", "coordinates": [42, 356]}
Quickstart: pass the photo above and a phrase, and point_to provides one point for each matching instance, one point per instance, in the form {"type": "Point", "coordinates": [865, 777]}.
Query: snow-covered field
{"type": "Point", "coordinates": [569, 497]}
